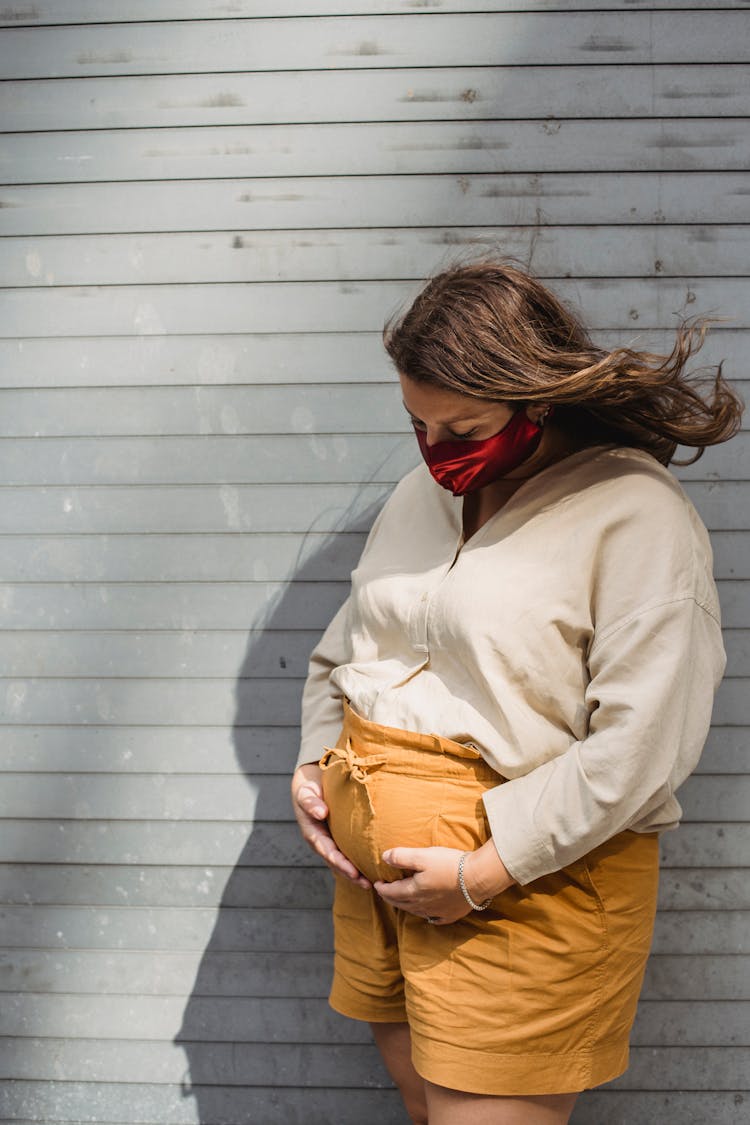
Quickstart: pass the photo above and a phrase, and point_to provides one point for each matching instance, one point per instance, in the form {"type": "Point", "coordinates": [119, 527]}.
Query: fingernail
{"type": "Point", "coordinates": [386, 857]}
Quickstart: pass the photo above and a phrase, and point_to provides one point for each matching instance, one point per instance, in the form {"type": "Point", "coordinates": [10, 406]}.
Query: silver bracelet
{"type": "Point", "coordinates": [464, 892]}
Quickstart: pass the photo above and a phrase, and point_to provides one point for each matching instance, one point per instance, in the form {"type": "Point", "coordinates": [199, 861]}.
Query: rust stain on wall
{"type": "Point", "coordinates": [603, 43]}
{"type": "Point", "coordinates": [223, 101]}
{"type": "Point", "coordinates": [366, 48]}
{"type": "Point", "coordinates": [114, 58]}
{"type": "Point", "coordinates": [19, 15]}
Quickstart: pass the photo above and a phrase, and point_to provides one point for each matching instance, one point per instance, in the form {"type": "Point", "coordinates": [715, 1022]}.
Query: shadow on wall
{"type": "Point", "coordinates": [261, 1042]}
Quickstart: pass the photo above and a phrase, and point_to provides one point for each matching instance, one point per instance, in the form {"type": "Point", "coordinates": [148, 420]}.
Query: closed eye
{"type": "Point", "coordinates": [419, 425]}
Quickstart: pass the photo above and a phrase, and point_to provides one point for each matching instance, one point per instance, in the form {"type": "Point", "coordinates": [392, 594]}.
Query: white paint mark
{"type": "Point", "coordinates": [340, 448]}
{"type": "Point", "coordinates": [15, 696]}
{"type": "Point", "coordinates": [318, 447]}
{"type": "Point", "coordinates": [216, 365]}
{"type": "Point", "coordinates": [103, 706]}
{"type": "Point", "coordinates": [230, 422]}
{"type": "Point", "coordinates": [303, 420]}
{"type": "Point", "coordinates": [205, 425]}
{"type": "Point", "coordinates": [67, 504]}
{"type": "Point", "coordinates": [147, 321]}
{"type": "Point", "coordinates": [230, 499]}
{"type": "Point", "coordinates": [33, 264]}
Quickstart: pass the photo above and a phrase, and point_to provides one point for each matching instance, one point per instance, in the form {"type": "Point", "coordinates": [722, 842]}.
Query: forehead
{"type": "Point", "coordinates": [440, 405]}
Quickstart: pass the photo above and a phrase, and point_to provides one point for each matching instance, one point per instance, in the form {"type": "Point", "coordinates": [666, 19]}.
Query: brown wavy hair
{"type": "Point", "coordinates": [490, 330]}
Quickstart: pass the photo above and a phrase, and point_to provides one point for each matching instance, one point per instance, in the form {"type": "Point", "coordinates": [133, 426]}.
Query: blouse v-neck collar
{"type": "Point", "coordinates": [526, 495]}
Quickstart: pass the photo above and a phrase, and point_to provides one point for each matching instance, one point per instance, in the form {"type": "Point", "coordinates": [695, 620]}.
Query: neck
{"type": "Point", "coordinates": [554, 446]}
{"type": "Point", "coordinates": [480, 506]}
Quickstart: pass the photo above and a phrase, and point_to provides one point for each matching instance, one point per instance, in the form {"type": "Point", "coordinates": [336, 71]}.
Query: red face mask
{"type": "Point", "coordinates": [465, 466]}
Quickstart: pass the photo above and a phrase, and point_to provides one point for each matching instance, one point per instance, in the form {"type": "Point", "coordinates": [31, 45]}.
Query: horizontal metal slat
{"type": "Point", "coordinates": [496, 39]}
{"type": "Point", "coordinates": [465, 199]}
{"type": "Point", "coordinates": [282, 359]}
{"type": "Point", "coordinates": [328, 306]}
{"type": "Point", "coordinates": [275, 844]}
{"type": "Point", "coordinates": [392, 149]}
{"type": "Point", "coordinates": [105, 11]}
{"type": "Point", "coordinates": [254, 751]}
{"type": "Point", "coordinates": [237, 557]}
{"type": "Point", "coordinates": [680, 889]}
{"type": "Point", "coordinates": [223, 797]}
{"type": "Point", "coordinates": [467, 93]}
{"type": "Point", "coordinates": [357, 255]}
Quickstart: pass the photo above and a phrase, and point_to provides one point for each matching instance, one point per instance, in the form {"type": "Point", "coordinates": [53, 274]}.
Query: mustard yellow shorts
{"type": "Point", "coordinates": [535, 995]}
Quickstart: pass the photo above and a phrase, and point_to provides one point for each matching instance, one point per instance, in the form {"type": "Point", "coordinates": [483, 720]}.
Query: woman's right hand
{"type": "Point", "coordinates": [311, 812]}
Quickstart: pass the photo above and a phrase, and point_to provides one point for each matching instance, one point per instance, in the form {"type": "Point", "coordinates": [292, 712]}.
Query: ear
{"type": "Point", "coordinates": [538, 412]}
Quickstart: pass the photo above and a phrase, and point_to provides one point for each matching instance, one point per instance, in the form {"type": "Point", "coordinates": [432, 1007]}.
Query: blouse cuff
{"type": "Point", "coordinates": [524, 853]}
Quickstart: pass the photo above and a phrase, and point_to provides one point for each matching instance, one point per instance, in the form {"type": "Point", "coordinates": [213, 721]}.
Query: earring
{"type": "Point", "coordinates": [542, 419]}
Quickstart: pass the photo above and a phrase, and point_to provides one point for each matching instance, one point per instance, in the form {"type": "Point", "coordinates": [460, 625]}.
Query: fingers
{"type": "Point", "coordinates": [406, 859]}
{"type": "Point", "coordinates": [323, 843]}
{"type": "Point", "coordinates": [404, 894]}
{"type": "Point", "coordinates": [408, 895]}
{"type": "Point", "coordinates": [311, 812]}
{"type": "Point", "coordinates": [430, 889]}
{"type": "Point", "coordinates": [318, 837]}
{"type": "Point", "coordinates": [309, 798]}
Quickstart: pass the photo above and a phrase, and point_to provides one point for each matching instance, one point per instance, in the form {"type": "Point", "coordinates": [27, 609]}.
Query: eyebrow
{"type": "Point", "coordinates": [462, 419]}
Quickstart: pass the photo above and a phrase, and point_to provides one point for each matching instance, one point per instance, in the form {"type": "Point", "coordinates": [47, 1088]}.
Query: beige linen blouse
{"type": "Point", "coordinates": [574, 640]}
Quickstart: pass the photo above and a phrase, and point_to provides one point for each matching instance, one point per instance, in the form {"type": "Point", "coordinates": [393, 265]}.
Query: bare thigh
{"type": "Point", "coordinates": [437, 1105]}
{"type": "Point", "coordinates": [454, 1107]}
{"type": "Point", "coordinates": [394, 1043]}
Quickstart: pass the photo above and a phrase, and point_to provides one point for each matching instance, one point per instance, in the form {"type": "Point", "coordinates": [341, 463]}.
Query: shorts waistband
{"type": "Point", "coordinates": [367, 738]}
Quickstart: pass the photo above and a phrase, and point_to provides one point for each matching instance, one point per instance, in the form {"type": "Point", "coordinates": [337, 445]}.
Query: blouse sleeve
{"type": "Point", "coordinates": [322, 706]}
{"type": "Point", "coordinates": [650, 695]}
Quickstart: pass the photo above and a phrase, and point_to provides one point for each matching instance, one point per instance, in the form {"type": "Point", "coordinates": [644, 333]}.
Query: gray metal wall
{"type": "Point", "coordinates": [209, 209]}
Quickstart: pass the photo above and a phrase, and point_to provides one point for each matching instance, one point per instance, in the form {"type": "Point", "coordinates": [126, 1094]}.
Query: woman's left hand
{"type": "Point", "coordinates": [431, 888]}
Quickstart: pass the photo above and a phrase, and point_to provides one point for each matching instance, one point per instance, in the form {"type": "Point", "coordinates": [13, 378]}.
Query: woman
{"type": "Point", "coordinates": [525, 672]}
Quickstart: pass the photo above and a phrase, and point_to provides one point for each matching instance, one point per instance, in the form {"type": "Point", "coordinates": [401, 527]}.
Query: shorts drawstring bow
{"type": "Point", "coordinates": [358, 766]}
